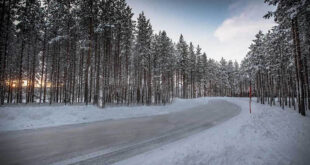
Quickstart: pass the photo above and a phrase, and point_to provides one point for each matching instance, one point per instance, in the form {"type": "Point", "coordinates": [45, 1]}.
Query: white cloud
{"type": "Point", "coordinates": [236, 33]}
{"type": "Point", "coordinates": [240, 28]}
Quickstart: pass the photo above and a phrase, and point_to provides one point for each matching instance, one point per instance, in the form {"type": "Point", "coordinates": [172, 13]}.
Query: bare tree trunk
{"type": "Point", "coordinates": [20, 77]}
{"type": "Point", "coordinates": [298, 63]}
{"type": "Point", "coordinates": [45, 78]}
{"type": "Point", "coordinates": [33, 75]}
{"type": "Point", "coordinates": [97, 62]}
{"type": "Point", "coordinates": [86, 97]}
{"type": "Point", "coordinates": [3, 58]}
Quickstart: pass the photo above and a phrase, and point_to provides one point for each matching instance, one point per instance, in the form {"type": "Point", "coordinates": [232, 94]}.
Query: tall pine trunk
{"type": "Point", "coordinates": [298, 63]}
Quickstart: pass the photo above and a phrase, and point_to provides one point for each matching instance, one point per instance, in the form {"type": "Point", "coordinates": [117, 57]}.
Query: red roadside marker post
{"type": "Point", "coordinates": [250, 95]}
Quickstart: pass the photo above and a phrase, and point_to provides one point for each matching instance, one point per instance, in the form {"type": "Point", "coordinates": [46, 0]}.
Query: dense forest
{"type": "Point", "coordinates": [278, 61]}
{"type": "Point", "coordinates": [73, 51]}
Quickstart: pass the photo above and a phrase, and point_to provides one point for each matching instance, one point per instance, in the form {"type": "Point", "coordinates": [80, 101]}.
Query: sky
{"type": "Point", "coordinates": [222, 28]}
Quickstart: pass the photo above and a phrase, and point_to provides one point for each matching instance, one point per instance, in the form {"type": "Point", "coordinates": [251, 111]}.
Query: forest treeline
{"type": "Point", "coordinates": [71, 51]}
{"type": "Point", "coordinates": [278, 61]}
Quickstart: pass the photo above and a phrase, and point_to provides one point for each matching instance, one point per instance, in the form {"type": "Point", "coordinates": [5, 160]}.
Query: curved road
{"type": "Point", "coordinates": [109, 141]}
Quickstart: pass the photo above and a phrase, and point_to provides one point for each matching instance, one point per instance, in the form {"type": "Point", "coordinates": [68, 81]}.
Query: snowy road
{"type": "Point", "coordinates": [109, 141]}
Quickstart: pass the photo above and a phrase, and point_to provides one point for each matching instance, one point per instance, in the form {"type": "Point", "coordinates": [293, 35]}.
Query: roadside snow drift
{"type": "Point", "coordinates": [19, 117]}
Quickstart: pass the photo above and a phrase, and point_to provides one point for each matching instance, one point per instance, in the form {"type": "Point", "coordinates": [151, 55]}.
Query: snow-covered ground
{"type": "Point", "coordinates": [269, 135]}
{"type": "Point", "coordinates": [19, 117]}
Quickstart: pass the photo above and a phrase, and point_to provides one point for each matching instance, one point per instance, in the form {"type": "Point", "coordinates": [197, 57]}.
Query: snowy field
{"type": "Point", "coordinates": [267, 136]}
{"type": "Point", "coordinates": [19, 117]}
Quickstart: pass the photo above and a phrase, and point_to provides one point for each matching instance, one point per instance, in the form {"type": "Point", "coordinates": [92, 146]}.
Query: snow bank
{"type": "Point", "coordinates": [269, 135]}
{"type": "Point", "coordinates": [23, 116]}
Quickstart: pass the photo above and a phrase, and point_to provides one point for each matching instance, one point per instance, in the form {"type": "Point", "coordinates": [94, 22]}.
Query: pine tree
{"type": "Point", "coordinates": [143, 60]}
{"type": "Point", "coordinates": [183, 63]}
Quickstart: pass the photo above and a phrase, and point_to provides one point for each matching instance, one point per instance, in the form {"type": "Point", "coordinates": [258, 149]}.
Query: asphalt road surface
{"type": "Point", "coordinates": [109, 141]}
